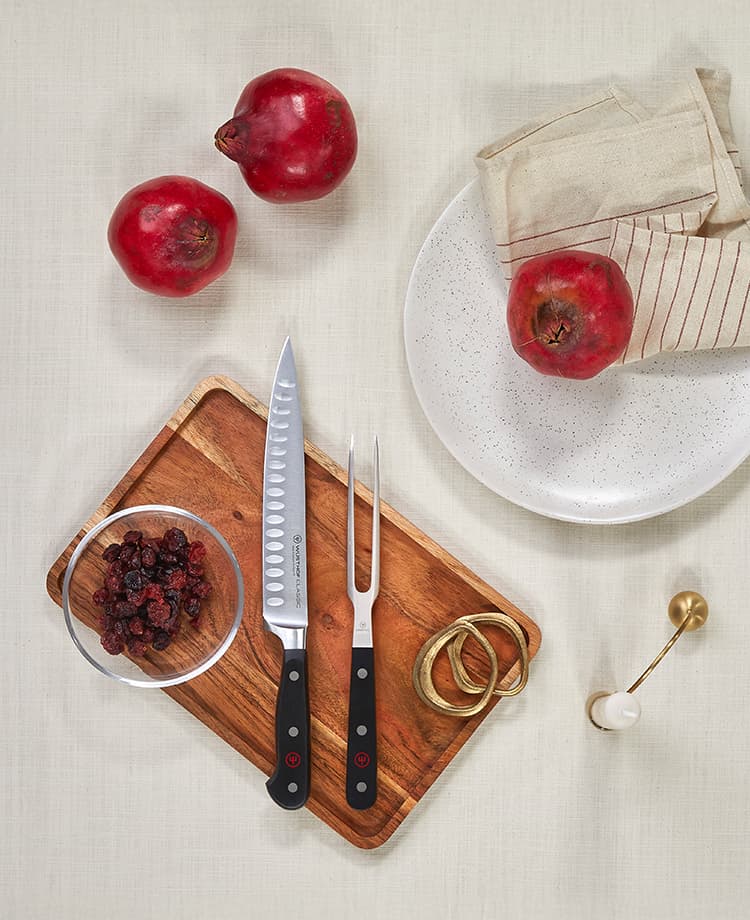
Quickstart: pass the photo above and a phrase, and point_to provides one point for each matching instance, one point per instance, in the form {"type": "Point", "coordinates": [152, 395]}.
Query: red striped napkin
{"type": "Point", "coordinates": [660, 193]}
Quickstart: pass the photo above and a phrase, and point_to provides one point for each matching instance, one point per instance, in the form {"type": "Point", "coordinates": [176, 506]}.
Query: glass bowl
{"type": "Point", "coordinates": [198, 644]}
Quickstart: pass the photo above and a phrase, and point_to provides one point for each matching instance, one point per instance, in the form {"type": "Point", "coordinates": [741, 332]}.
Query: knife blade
{"type": "Point", "coordinates": [285, 580]}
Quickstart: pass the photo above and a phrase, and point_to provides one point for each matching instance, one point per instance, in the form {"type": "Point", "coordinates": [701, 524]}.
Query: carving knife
{"type": "Point", "coordinates": [285, 581]}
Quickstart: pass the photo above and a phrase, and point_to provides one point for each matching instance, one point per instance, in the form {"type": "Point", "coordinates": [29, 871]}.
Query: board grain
{"type": "Point", "coordinates": [209, 459]}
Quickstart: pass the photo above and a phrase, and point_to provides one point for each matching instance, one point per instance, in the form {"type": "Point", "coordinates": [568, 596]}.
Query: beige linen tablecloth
{"type": "Point", "coordinates": [116, 803]}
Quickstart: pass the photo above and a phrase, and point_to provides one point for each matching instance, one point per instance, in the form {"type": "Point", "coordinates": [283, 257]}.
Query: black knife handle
{"type": "Point", "coordinates": [289, 786]}
{"type": "Point", "coordinates": [361, 751]}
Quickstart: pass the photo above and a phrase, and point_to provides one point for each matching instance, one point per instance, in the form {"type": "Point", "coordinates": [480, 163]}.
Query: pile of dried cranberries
{"type": "Point", "coordinates": [147, 585]}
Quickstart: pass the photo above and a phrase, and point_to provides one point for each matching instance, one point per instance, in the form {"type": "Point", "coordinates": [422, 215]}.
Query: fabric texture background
{"type": "Point", "coordinates": [116, 803]}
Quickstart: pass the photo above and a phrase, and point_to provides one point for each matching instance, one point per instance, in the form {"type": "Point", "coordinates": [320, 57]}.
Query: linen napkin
{"type": "Point", "coordinates": [659, 193]}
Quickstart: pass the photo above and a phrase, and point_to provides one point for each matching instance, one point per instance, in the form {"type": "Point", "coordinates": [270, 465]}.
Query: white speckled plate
{"type": "Point", "coordinates": [632, 443]}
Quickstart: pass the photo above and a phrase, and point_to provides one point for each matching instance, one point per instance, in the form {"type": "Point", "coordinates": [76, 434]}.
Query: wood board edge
{"type": "Point", "coordinates": [56, 572]}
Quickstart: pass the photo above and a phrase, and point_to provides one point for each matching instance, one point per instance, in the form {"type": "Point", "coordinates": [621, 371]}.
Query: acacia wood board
{"type": "Point", "coordinates": [209, 459]}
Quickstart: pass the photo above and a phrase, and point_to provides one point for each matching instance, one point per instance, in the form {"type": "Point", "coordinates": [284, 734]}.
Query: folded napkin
{"type": "Point", "coordinates": [659, 193]}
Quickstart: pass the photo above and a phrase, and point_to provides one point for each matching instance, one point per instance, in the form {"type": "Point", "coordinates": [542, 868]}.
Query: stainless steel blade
{"type": "Point", "coordinates": [284, 541]}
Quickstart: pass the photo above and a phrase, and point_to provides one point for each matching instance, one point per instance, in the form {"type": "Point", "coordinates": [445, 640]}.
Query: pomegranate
{"type": "Point", "coordinates": [293, 136]}
{"type": "Point", "coordinates": [570, 313]}
{"type": "Point", "coordinates": [173, 235]}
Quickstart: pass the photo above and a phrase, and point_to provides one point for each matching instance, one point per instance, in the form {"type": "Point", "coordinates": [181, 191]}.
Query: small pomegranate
{"type": "Point", "coordinates": [570, 313]}
{"type": "Point", "coordinates": [293, 136]}
{"type": "Point", "coordinates": [173, 235]}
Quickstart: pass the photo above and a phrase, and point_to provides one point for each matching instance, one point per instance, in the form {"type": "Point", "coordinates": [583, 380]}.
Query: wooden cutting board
{"type": "Point", "coordinates": [209, 459]}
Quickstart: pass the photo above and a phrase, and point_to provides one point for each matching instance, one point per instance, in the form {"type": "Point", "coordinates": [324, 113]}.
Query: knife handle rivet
{"type": "Point", "coordinates": [292, 787]}
{"type": "Point", "coordinates": [293, 731]}
{"type": "Point", "coordinates": [361, 787]}
{"type": "Point", "coordinates": [361, 729]}
{"type": "Point", "coordinates": [294, 675]}
{"type": "Point", "coordinates": [362, 673]}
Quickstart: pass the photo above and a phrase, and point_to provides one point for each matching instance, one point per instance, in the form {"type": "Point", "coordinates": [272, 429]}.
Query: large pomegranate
{"type": "Point", "coordinates": [570, 313]}
{"type": "Point", "coordinates": [173, 235]}
{"type": "Point", "coordinates": [293, 136]}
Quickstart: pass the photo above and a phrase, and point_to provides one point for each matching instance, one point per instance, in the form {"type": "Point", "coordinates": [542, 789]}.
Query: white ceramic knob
{"type": "Point", "coordinates": [615, 711]}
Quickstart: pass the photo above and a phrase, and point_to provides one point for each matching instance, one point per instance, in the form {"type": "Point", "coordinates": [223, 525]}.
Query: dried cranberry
{"type": "Point", "coordinates": [133, 581]}
{"type": "Point", "coordinates": [111, 642]}
{"type": "Point", "coordinates": [192, 607]}
{"type": "Point", "coordinates": [127, 553]}
{"type": "Point", "coordinates": [153, 592]}
{"type": "Point", "coordinates": [203, 589]}
{"type": "Point", "coordinates": [138, 598]}
{"type": "Point", "coordinates": [137, 646]}
{"type": "Point", "coordinates": [116, 568]}
{"type": "Point", "coordinates": [147, 585]}
{"type": "Point", "coordinates": [135, 560]}
{"type": "Point", "coordinates": [174, 539]}
{"type": "Point", "coordinates": [124, 609]}
{"type": "Point", "coordinates": [176, 580]}
{"type": "Point", "coordinates": [161, 640]}
{"type": "Point", "coordinates": [113, 583]}
{"type": "Point", "coordinates": [159, 613]}
{"type": "Point", "coordinates": [111, 553]}
{"type": "Point", "coordinates": [197, 552]}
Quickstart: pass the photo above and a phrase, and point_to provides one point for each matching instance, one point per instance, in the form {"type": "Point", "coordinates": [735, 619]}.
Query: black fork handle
{"type": "Point", "coordinates": [361, 754]}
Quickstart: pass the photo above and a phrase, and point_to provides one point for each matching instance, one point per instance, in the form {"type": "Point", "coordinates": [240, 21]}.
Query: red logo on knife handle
{"type": "Point", "coordinates": [362, 759]}
{"type": "Point", "coordinates": [292, 759]}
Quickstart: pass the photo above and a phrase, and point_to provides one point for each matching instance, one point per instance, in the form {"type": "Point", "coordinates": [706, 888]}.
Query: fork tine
{"type": "Point", "coordinates": [375, 571]}
{"type": "Point", "coordinates": [350, 582]}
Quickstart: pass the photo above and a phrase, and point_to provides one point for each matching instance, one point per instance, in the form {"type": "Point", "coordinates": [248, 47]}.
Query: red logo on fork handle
{"type": "Point", "coordinates": [361, 759]}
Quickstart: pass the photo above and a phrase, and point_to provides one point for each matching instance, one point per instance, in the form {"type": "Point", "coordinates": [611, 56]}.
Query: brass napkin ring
{"type": "Point", "coordinates": [453, 636]}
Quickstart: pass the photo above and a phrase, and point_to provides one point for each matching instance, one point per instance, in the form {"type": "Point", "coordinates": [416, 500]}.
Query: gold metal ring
{"type": "Point", "coordinates": [422, 672]}
{"type": "Point", "coordinates": [502, 621]}
{"type": "Point", "coordinates": [454, 636]}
